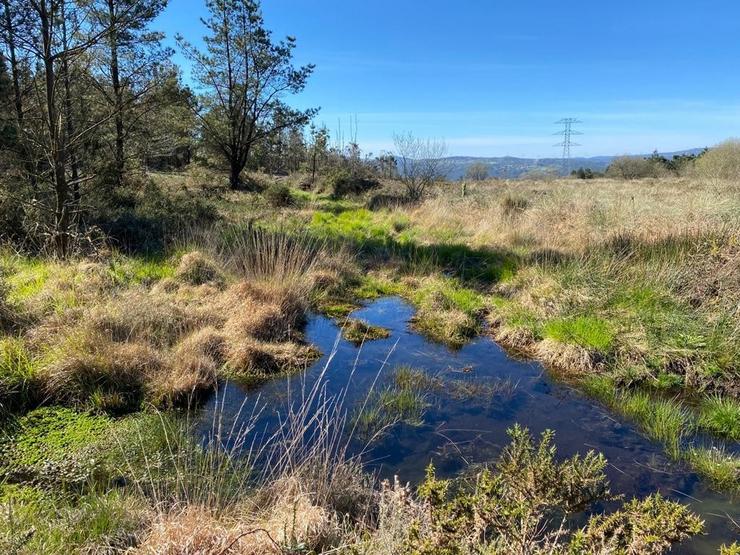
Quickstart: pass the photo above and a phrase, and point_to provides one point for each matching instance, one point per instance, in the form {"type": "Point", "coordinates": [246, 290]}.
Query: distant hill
{"type": "Point", "coordinates": [511, 167]}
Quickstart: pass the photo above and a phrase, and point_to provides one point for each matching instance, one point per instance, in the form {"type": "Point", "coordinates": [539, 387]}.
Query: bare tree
{"type": "Point", "coordinates": [477, 171]}
{"type": "Point", "coordinates": [244, 76]}
{"type": "Point", "coordinates": [420, 162]}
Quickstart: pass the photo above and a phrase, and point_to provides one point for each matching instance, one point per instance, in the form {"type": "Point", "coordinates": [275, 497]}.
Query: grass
{"type": "Point", "coordinates": [403, 400]}
{"type": "Point", "coordinates": [721, 468]}
{"type": "Point", "coordinates": [587, 331]}
{"type": "Point", "coordinates": [358, 331]}
{"type": "Point", "coordinates": [720, 416]}
{"type": "Point", "coordinates": [672, 424]}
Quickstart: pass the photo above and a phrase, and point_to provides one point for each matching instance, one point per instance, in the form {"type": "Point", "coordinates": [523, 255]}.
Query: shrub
{"type": "Point", "coordinates": [278, 195]}
{"type": "Point", "coordinates": [511, 509]}
{"type": "Point", "coordinates": [632, 167]}
{"type": "Point", "coordinates": [721, 162]}
{"type": "Point", "coordinates": [342, 183]}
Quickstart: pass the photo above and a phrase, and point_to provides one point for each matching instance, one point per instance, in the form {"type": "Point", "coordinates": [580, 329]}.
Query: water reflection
{"type": "Point", "coordinates": [460, 430]}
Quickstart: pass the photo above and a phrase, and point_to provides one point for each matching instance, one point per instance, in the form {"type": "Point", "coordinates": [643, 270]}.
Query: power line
{"type": "Point", "coordinates": [567, 142]}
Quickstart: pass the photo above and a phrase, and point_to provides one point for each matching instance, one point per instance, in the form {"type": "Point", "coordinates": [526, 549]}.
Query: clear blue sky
{"type": "Point", "coordinates": [491, 76]}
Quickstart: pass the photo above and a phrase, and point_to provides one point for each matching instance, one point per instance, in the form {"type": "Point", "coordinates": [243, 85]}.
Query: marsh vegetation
{"type": "Point", "coordinates": [223, 333]}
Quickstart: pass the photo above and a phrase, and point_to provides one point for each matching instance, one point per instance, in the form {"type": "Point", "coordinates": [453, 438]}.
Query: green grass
{"type": "Point", "coordinates": [18, 374]}
{"type": "Point", "coordinates": [721, 468]}
{"type": "Point", "coordinates": [720, 415]}
{"type": "Point", "coordinates": [403, 400]}
{"type": "Point", "coordinates": [663, 420]}
{"type": "Point", "coordinates": [26, 276]}
{"type": "Point", "coordinates": [35, 521]}
{"type": "Point", "coordinates": [137, 270]}
{"type": "Point", "coordinates": [587, 331]}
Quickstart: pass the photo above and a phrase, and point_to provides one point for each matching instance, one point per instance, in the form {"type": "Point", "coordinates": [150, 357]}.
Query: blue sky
{"type": "Point", "coordinates": [491, 76]}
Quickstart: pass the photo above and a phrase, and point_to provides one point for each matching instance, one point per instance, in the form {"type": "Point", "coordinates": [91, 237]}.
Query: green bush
{"type": "Point", "coordinates": [342, 183]}
{"type": "Point", "coordinates": [278, 195]}
{"type": "Point", "coordinates": [509, 509]}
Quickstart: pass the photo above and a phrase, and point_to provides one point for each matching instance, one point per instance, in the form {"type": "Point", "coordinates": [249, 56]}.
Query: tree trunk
{"type": "Point", "coordinates": [68, 116]}
{"type": "Point", "coordinates": [119, 156]}
{"type": "Point", "coordinates": [17, 95]}
{"type": "Point", "coordinates": [235, 171]}
{"type": "Point", "coordinates": [56, 145]}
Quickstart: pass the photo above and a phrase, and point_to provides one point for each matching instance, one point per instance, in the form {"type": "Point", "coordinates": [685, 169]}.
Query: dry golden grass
{"type": "Point", "coordinates": [290, 522]}
{"type": "Point", "coordinates": [572, 215]}
{"type": "Point", "coordinates": [105, 340]}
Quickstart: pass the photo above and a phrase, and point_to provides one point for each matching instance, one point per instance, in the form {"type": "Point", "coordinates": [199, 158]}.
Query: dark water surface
{"type": "Point", "coordinates": [459, 429]}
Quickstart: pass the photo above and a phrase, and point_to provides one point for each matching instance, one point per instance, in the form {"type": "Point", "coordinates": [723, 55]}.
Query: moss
{"type": "Point", "coordinates": [359, 331]}
{"type": "Point", "coordinates": [50, 444]}
{"type": "Point", "coordinates": [587, 331]}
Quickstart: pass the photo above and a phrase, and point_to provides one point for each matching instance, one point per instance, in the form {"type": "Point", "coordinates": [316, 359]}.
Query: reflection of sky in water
{"type": "Point", "coordinates": [458, 431]}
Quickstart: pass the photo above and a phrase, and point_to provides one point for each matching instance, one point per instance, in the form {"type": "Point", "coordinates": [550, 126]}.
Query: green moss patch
{"type": "Point", "coordinates": [51, 443]}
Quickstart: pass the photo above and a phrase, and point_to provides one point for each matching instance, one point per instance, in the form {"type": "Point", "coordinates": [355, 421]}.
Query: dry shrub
{"type": "Point", "coordinates": [195, 268]}
{"type": "Point", "coordinates": [261, 321]}
{"type": "Point", "coordinates": [264, 312]}
{"type": "Point", "coordinates": [192, 369]}
{"type": "Point", "coordinates": [517, 339]}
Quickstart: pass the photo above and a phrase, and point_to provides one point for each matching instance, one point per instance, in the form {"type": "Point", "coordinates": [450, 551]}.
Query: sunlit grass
{"type": "Point", "coordinates": [720, 415]}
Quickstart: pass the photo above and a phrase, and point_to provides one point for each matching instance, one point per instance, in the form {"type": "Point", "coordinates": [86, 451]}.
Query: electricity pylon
{"type": "Point", "coordinates": [567, 142]}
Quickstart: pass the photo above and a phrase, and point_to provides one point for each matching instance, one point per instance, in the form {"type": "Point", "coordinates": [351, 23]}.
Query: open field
{"type": "Point", "coordinates": [628, 290]}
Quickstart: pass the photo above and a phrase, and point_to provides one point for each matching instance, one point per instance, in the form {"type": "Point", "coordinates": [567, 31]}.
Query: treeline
{"type": "Point", "coordinates": [90, 100]}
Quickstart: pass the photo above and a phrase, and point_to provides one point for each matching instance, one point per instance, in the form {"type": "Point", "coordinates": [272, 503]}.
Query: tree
{"type": "Point", "coordinates": [477, 172]}
{"type": "Point", "coordinates": [319, 148]}
{"type": "Point", "coordinates": [243, 77]}
{"type": "Point", "coordinates": [133, 63]}
{"type": "Point", "coordinates": [421, 163]}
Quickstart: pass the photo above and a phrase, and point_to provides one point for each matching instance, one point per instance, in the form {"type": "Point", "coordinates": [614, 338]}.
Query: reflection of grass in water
{"type": "Point", "coordinates": [408, 394]}
{"type": "Point", "coordinates": [462, 389]}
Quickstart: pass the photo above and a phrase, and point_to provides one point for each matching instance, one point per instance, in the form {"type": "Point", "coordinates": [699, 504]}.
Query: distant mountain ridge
{"type": "Point", "coordinates": [511, 166]}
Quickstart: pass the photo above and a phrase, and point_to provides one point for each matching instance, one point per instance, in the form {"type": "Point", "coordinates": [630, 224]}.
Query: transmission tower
{"type": "Point", "coordinates": [567, 142]}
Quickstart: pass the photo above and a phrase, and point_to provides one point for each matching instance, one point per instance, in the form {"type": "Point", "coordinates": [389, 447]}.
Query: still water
{"type": "Point", "coordinates": [462, 429]}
